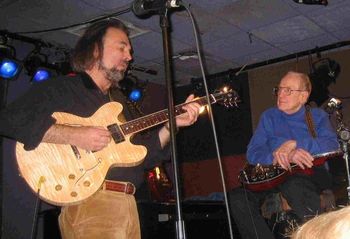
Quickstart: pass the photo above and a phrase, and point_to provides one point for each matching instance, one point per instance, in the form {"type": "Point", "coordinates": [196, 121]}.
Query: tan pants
{"type": "Point", "coordinates": [105, 215]}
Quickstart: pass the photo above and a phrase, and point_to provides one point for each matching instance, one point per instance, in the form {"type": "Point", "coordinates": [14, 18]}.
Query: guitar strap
{"type": "Point", "coordinates": [309, 121]}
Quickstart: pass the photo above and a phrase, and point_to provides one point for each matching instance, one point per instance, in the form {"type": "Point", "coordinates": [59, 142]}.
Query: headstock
{"type": "Point", "coordinates": [226, 97]}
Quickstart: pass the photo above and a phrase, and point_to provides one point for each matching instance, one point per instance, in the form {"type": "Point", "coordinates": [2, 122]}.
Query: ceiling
{"type": "Point", "coordinates": [233, 33]}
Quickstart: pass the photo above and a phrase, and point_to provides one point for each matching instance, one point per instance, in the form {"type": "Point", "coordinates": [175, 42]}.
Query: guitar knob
{"type": "Point", "coordinates": [87, 183]}
{"type": "Point", "coordinates": [71, 176]}
{"type": "Point", "coordinates": [74, 194]}
{"type": "Point", "coordinates": [58, 187]}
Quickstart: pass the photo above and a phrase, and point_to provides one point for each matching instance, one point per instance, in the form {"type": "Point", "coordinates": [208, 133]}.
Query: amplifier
{"type": "Point", "coordinates": [202, 220]}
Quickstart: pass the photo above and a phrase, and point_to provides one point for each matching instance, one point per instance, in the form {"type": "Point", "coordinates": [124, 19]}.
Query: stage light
{"type": "Point", "coordinates": [37, 66]}
{"type": "Point", "coordinates": [131, 88]}
{"type": "Point", "coordinates": [324, 72]}
{"type": "Point", "coordinates": [41, 74]}
{"type": "Point", "coordinates": [135, 94]}
{"type": "Point", "coordinates": [312, 2]}
{"type": "Point", "coordinates": [9, 66]}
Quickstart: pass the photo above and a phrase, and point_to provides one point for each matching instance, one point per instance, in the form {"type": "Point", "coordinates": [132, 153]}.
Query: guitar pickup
{"type": "Point", "coordinates": [116, 133]}
{"type": "Point", "coordinates": [76, 152]}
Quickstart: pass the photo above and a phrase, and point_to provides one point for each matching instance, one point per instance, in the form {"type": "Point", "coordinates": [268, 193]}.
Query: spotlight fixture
{"type": "Point", "coordinates": [313, 2]}
{"type": "Point", "coordinates": [324, 72]}
{"type": "Point", "coordinates": [38, 67]}
{"type": "Point", "coordinates": [131, 88]}
{"type": "Point", "coordinates": [9, 66]}
{"type": "Point", "coordinates": [41, 74]}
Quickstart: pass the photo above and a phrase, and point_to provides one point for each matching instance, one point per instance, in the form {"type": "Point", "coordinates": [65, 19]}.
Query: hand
{"type": "Point", "coordinates": [281, 155]}
{"type": "Point", "coordinates": [185, 119]}
{"type": "Point", "coordinates": [191, 115]}
{"type": "Point", "coordinates": [302, 158]}
{"type": "Point", "coordinates": [91, 138]}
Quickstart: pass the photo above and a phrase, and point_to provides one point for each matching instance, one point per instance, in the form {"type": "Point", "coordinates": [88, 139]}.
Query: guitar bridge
{"type": "Point", "coordinates": [116, 133]}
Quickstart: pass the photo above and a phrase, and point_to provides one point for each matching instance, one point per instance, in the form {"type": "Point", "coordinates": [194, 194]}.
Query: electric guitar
{"type": "Point", "coordinates": [265, 177]}
{"type": "Point", "coordinates": [65, 175]}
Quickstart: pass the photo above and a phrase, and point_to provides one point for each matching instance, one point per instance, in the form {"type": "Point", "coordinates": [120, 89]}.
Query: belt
{"type": "Point", "coordinates": [124, 187]}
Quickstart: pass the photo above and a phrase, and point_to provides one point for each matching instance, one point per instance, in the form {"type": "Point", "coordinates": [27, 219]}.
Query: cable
{"type": "Point", "coordinates": [78, 24]}
{"type": "Point", "coordinates": [211, 118]}
{"type": "Point", "coordinates": [37, 208]}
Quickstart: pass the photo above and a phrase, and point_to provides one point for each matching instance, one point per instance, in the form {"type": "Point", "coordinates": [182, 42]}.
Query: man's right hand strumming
{"type": "Point", "coordinates": [90, 138]}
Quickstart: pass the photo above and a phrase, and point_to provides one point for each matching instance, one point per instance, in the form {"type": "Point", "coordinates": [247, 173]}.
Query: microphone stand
{"type": "Point", "coordinates": [345, 150]}
{"type": "Point", "coordinates": [344, 141]}
{"type": "Point", "coordinates": [164, 24]}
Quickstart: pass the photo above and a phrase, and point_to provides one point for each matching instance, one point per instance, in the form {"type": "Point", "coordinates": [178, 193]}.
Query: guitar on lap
{"type": "Point", "coordinates": [264, 177]}
{"type": "Point", "coordinates": [65, 174]}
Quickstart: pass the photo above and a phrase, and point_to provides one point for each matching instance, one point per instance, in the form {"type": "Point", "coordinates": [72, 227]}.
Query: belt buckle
{"type": "Point", "coordinates": [129, 185]}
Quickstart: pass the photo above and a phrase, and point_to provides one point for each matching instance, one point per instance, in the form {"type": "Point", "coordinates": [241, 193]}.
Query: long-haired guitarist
{"type": "Point", "coordinates": [101, 58]}
{"type": "Point", "coordinates": [287, 134]}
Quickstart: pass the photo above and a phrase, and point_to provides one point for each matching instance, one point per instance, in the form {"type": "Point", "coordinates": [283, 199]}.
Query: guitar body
{"type": "Point", "coordinates": [260, 181]}
{"type": "Point", "coordinates": [67, 175]}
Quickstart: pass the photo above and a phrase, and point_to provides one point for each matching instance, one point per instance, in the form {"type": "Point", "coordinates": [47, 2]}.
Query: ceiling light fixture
{"type": "Point", "coordinates": [131, 88]}
{"type": "Point", "coordinates": [37, 66]}
{"type": "Point", "coordinates": [313, 2]}
{"type": "Point", "coordinates": [9, 66]}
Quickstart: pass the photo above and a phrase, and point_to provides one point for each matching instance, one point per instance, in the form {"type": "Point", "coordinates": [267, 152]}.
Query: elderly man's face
{"type": "Point", "coordinates": [297, 98]}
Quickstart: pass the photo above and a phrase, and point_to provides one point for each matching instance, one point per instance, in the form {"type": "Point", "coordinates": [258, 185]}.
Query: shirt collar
{"type": "Point", "coordinates": [298, 114]}
{"type": "Point", "coordinates": [88, 81]}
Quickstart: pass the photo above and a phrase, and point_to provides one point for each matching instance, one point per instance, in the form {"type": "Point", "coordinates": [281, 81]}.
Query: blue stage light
{"type": "Point", "coordinates": [135, 94]}
{"type": "Point", "coordinates": [9, 69]}
{"type": "Point", "coordinates": [132, 88]}
{"type": "Point", "coordinates": [41, 74]}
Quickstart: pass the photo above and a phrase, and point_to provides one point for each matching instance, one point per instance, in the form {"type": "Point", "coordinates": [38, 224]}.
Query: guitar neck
{"type": "Point", "coordinates": [159, 117]}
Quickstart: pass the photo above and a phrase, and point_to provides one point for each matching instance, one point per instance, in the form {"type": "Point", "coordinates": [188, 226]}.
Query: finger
{"type": "Point", "coordinates": [105, 131]}
{"type": "Point", "coordinates": [286, 161]}
{"type": "Point", "coordinates": [190, 98]}
{"type": "Point", "coordinates": [308, 155]}
{"type": "Point", "coordinates": [283, 165]}
{"type": "Point", "coordinates": [299, 163]}
{"type": "Point", "coordinates": [105, 140]}
{"type": "Point", "coordinates": [306, 161]}
{"type": "Point", "coordinates": [193, 108]}
{"type": "Point", "coordinates": [191, 115]}
{"type": "Point", "coordinates": [305, 158]}
{"type": "Point", "coordinates": [101, 131]}
{"type": "Point", "coordinates": [281, 162]}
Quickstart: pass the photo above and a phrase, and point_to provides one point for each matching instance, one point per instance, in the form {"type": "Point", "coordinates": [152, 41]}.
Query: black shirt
{"type": "Point", "coordinates": [29, 117]}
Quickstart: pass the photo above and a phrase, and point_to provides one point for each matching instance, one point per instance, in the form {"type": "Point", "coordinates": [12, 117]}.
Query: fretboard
{"type": "Point", "coordinates": [159, 117]}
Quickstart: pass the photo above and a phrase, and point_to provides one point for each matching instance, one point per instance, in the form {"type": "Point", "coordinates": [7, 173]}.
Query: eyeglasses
{"type": "Point", "coordinates": [286, 90]}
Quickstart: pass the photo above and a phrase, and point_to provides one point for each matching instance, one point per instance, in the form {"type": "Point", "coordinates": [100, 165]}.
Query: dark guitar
{"type": "Point", "coordinates": [264, 177]}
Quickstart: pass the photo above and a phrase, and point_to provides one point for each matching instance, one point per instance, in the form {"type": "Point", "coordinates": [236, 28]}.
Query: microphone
{"type": "Point", "coordinates": [314, 2]}
{"type": "Point", "coordinates": [332, 105]}
{"type": "Point", "coordinates": [142, 7]}
{"type": "Point", "coordinates": [336, 103]}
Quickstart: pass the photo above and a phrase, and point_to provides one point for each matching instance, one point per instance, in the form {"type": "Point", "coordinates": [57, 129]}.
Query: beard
{"type": "Point", "coordinates": [113, 75]}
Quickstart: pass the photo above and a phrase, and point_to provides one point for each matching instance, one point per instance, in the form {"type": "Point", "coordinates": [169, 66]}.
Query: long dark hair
{"type": "Point", "coordinates": [83, 53]}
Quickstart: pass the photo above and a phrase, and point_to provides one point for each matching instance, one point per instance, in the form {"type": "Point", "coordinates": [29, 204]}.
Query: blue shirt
{"type": "Point", "coordinates": [276, 127]}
